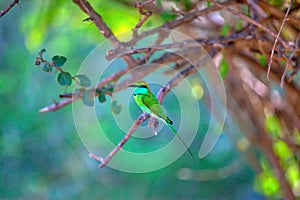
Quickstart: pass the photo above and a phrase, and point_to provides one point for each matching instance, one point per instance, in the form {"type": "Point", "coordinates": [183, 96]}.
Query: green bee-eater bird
{"type": "Point", "coordinates": [146, 100]}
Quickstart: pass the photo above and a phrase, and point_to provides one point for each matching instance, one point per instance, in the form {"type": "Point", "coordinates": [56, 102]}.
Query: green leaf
{"type": "Point", "coordinates": [84, 80]}
{"type": "Point", "coordinates": [42, 51]}
{"type": "Point", "coordinates": [108, 89]}
{"type": "Point", "coordinates": [101, 97]}
{"type": "Point", "coordinates": [272, 125]}
{"type": "Point", "coordinates": [293, 173]}
{"type": "Point", "coordinates": [239, 25]}
{"type": "Point", "coordinates": [158, 2]}
{"type": "Point", "coordinates": [275, 2]}
{"type": "Point", "coordinates": [262, 59]}
{"type": "Point", "coordinates": [187, 4]}
{"type": "Point", "coordinates": [58, 61]}
{"type": "Point", "coordinates": [47, 68]}
{"type": "Point", "coordinates": [224, 67]}
{"type": "Point", "coordinates": [64, 78]}
{"type": "Point", "coordinates": [88, 98]}
{"type": "Point", "coordinates": [116, 108]}
{"type": "Point", "coordinates": [167, 16]}
{"type": "Point", "coordinates": [268, 182]}
{"type": "Point", "coordinates": [225, 30]}
{"type": "Point", "coordinates": [282, 150]}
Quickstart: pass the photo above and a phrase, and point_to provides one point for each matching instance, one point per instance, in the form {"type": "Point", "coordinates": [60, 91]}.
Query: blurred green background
{"type": "Point", "coordinates": [41, 154]}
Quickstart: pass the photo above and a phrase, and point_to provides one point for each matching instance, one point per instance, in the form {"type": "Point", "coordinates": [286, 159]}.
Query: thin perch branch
{"type": "Point", "coordinates": [139, 7]}
{"type": "Point", "coordinates": [160, 95]}
{"type": "Point", "coordinates": [5, 10]}
{"type": "Point", "coordinates": [123, 141]}
{"type": "Point", "coordinates": [57, 105]}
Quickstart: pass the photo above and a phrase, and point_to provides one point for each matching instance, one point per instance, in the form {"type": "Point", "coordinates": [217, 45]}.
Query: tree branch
{"type": "Point", "coordinates": [164, 59]}
{"type": "Point", "coordinates": [103, 28]}
{"type": "Point", "coordinates": [160, 95]}
{"type": "Point", "coordinates": [277, 37]}
{"type": "Point", "coordinates": [169, 25]}
{"type": "Point", "coordinates": [181, 45]}
{"type": "Point", "coordinates": [97, 20]}
{"type": "Point", "coordinates": [5, 10]}
{"type": "Point", "coordinates": [247, 19]}
{"type": "Point", "coordinates": [139, 7]}
{"type": "Point", "coordinates": [135, 125]}
{"type": "Point", "coordinates": [78, 95]}
{"type": "Point", "coordinates": [255, 131]}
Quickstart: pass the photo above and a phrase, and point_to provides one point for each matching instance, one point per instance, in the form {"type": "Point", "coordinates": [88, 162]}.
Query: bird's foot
{"type": "Point", "coordinates": [153, 122]}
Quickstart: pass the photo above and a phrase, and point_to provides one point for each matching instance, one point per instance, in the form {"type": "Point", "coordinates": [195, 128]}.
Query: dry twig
{"type": "Point", "coordinates": [277, 37]}
{"type": "Point", "coordinates": [5, 10]}
{"type": "Point", "coordinates": [135, 125]}
{"type": "Point", "coordinates": [139, 7]}
{"type": "Point", "coordinates": [103, 28]}
{"type": "Point", "coordinates": [247, 19]}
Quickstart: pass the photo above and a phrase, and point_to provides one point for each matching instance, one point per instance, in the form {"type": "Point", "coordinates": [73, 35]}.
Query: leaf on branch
{"type": "Point", "coordinates": [41, 52]}
{"type": "Point", "coordinates": [88, 98]}
{"type": "Point", "coordinates": [116, 108]}
{"type": "Point", "coordinates": [47, 68]}
{"type": "Point", "coordinates": [84, 80]}
{"type": "Point", "coordinates": [58, 61]}
{"type": "Point", "coordinates": [64, 78]}
{"type": "Point", "coordinates": [108, 89]}
{"type": "Point", "coordinates": [223, 68]}
{"type": "Point", "coordinates": [101, 97]}
{"type": "Point", "coordinates": [262, 59]}
{"type": "Point", "coordinates": [225, 30]}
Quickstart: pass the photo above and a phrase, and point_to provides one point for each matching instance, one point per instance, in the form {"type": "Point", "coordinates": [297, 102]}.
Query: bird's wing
{"type": "Point", "coordinates": [154, 106]}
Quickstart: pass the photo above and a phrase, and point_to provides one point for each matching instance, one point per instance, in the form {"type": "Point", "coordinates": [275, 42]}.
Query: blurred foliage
{"type": "Point", "coordinates": [42, 156]}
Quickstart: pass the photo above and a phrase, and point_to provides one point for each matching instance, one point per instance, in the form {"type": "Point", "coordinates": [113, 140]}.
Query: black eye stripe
{"type": "Point", "coordinates": [142, 86]}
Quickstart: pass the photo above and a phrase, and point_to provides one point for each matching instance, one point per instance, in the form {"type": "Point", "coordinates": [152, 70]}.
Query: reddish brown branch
{"type": "Point", "coordinates": [139, 7]}
{"type": "Point", "coordinates": [77, 95]}
{"type": "Point", "coordinates": [171, 25]}
{"type": "Point", "coordinates": [175, 81]}
{"type": "Point", "coordinates": [103, 28]}
{"type": "Point", "coordinates": [5, 10]}
{"type": "Point", "coordinates": [255, 131]}
{"type": "Point", "coordinates": [181, 45]}
{"type": "Point", "coordinates": [123, 141]}
{"type": "Point", "coordinates": [287, 65]}
{"type": "Point", "coordinates": [97, 20]}
{"type": "Point", "coordinates": [160, 95]}
{"type": "Point", "coordinates": [277, 37]}
{"type": "Point", "coordinates": [57, 105]}
{"type": "Point", "coordinates": [251, 21]}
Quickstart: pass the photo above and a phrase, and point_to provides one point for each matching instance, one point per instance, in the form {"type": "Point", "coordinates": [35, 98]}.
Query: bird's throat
{"type": "Point", "coordinates": [141, 91]}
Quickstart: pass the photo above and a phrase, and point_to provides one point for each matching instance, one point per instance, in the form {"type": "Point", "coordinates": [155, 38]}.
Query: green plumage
{"type": "Point", "coordinates": [146, 100]}
{"type": "Point", "coordinates": [149, 104]}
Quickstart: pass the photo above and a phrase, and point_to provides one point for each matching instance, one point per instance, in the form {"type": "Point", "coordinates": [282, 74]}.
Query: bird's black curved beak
{"type": "Point", "coordinates": [131, 85]}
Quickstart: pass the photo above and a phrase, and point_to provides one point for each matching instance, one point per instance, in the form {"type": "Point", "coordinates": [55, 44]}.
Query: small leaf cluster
{"type": "Point", "coordinates": [64, 78]}
{"type": "Point", "coordinates": [115, 106]}
{"type": "Point", "coordinates": [88, 98]}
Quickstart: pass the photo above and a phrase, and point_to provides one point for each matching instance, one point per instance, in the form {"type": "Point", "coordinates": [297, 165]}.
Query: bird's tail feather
{"type": "Point", "coordinates": [175, 132]}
